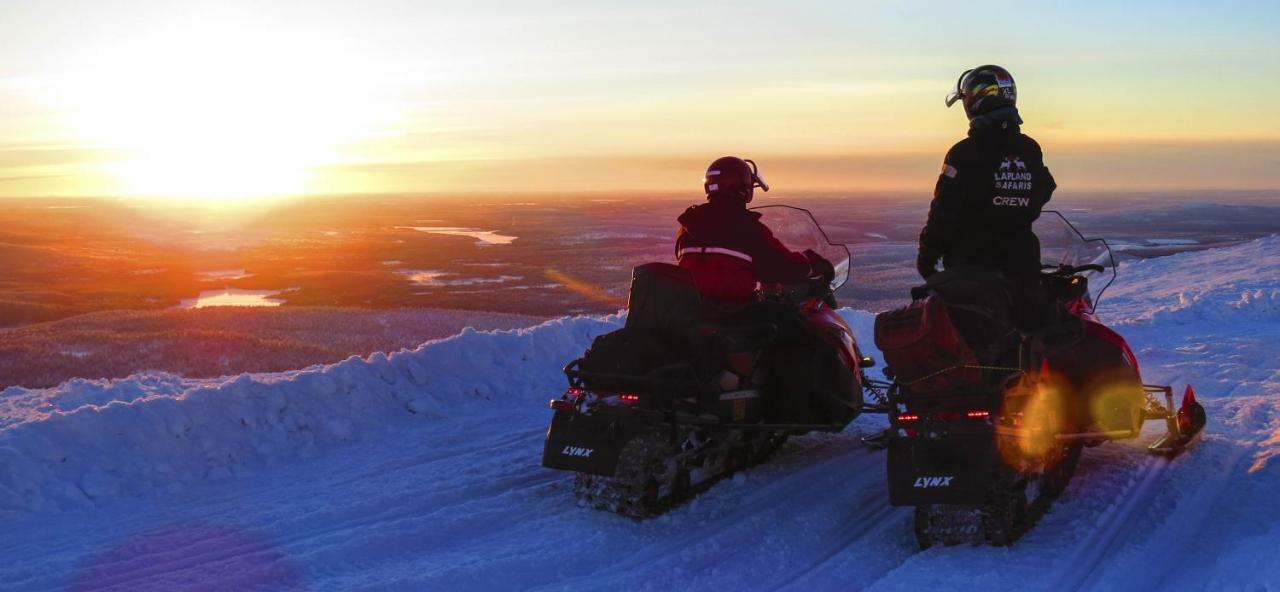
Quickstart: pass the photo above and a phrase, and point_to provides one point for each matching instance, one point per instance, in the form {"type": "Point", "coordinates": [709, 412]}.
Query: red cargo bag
{"type": "Point", "coordinates": [924, 349]}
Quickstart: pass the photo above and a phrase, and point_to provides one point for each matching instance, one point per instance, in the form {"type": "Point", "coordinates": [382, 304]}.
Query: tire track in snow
{"type": "Point", "coordinates": [1212, 474]}
{"type": "Point", "coordinates": [329, 522]}
{"type": "Point", "coordinates": [438, 454]}
{"type": "Point", "coordinates": [780, 491]}
{"type": "Point", "coordinates": [218, 507]}
{"type": "Point", "coordinates": [1182, 527]}
{"type": "Point", "coordinates": [1082, 563]}
{"type": "Point", "coordinates": [873, 515]}
{"type": "Point", "coordinates": [136, 572]}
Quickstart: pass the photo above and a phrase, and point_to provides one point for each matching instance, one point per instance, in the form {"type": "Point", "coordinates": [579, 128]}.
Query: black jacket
{"type": "Point", "coordinates": [992, 187]}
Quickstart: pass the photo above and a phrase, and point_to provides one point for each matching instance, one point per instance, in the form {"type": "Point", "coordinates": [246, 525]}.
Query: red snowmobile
{"type": "Point", "coordinates": [661, 409]}
{"type": "Point", "coordinates": [987, 421]}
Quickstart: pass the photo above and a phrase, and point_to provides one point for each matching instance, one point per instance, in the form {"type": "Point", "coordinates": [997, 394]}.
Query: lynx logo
{"type": "Point", "coordinates": [575, 451]}
{"type": "Point", "coordinates": [927, 482]}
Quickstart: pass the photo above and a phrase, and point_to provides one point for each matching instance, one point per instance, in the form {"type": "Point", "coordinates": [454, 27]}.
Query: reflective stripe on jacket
{"type": "Point", "coordinates": [729, 252]}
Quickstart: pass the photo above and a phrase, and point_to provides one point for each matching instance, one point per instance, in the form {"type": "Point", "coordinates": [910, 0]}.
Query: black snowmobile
{"type": "Point", "coordinates": [663, 408]}
{"type": "Point", "coordinates": [988, 422]}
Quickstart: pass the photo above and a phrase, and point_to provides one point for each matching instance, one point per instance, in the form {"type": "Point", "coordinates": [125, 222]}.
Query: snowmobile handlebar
{"type": "Point", "coordinates": [1069, 270]}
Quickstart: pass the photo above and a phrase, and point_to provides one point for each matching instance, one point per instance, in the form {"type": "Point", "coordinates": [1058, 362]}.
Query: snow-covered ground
{"type": "Point", "coordinates": [419, 470]}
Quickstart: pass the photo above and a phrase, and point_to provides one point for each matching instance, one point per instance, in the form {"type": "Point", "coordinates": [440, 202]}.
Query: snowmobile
{"type": "Point", "coordinates": [661, 409]}
{"type": "Point", "coordinates": [987, 421]}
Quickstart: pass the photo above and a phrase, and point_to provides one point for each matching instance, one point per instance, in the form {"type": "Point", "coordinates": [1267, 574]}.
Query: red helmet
{"type": "Point", "coordinates": [730, 175]}
{"type": "Point", "coordinates": [983, 90]}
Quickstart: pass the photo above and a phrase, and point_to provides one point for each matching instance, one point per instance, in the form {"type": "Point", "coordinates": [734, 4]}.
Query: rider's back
{"type": "Point", "coordinates": [992, 188]}
{"type": "Point", "coordinates": [728, 251]}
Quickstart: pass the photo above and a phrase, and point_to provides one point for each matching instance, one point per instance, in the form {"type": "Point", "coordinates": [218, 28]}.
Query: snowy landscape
{"type": "Point", "coordinates": [310, 296]}
{"type": "Point", "coordinates": [419, 470]}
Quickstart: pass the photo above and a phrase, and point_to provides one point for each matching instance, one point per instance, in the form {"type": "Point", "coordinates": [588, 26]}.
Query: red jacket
{"type": "Point", "coordinates": [729, 251]}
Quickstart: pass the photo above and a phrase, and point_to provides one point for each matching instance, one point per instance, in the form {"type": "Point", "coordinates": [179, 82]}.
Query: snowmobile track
{"type": "Point", "coordinates": [872, 517]}
{"type": "Point", "coordinates": [1083, 562]}
{"type": "Point", "coordinates": [1184, 526]}
{"type": "Point", "coordinates": [799, 472]}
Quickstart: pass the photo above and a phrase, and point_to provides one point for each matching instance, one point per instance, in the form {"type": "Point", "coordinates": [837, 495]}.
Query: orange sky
{"type": "Point", "coordinates": [253, 100]}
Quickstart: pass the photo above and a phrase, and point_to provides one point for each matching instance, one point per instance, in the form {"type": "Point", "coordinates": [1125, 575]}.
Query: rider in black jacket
{"type": "Point", "coordinates": [992, 186]}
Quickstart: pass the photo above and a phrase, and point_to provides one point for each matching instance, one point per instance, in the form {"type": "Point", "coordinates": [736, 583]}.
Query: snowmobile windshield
{"type": "Point", "coordinates": [798, 230]}
{"type": "Point", "coordinates": [1062, 244]}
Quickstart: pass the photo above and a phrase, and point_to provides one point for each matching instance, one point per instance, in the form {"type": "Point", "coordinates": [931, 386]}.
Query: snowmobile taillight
{"type": "Point", "coordinates": [562, 405]}
{"type": "Point", "coordinates": [908, 417]}
{"type": "Point", "coordinates": [569, 401]}
{"type": "Point", "coordinates": [628, 398]}
{"type": "Point", "coordinates": [978, 414]}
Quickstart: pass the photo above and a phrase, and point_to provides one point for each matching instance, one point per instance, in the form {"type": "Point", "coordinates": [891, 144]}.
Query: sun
{"type": "Point", "coordinates": [217, 113]}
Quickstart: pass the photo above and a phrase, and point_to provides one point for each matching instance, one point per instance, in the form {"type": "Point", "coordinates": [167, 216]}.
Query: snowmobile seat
{"type": "Point", "coordinates": [980, 304]}
{"type": "Point", "coordinates": [957, 282]}
{"type": "Point", "coordinates": [663, 298]}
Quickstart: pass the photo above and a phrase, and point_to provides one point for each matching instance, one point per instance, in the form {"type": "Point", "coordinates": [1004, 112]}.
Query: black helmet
{"type": "Point", "coordinates": [730, 175]}
{"type": "Point", "coordinates": [983, 90]}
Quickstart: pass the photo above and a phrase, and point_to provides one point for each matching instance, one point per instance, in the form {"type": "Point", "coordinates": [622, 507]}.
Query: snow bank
{"type": "Point", "coordinates": [1206, 318]}
{"type": "Point", "coordinates": [88, 441]}
{"type": "Point", "coordinates": [1232, 284]}
{"type": "Point", "coordinates": [85, 442]}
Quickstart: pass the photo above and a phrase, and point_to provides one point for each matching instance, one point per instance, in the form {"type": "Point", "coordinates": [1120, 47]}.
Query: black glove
{"type": "Point", "coordinates": [820, 266]}
{"type": "Point", "coordinates": [926, 263]}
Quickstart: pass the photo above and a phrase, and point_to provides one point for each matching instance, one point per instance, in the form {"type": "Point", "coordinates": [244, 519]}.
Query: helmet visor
{"type": "Point", "coordinates": [958, 93]}
{"type": "Point", "coordinates": [756, 179]}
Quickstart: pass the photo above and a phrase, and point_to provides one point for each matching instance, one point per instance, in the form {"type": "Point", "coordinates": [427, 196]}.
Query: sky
{"type": "Point", "coordinates": [245, 100]}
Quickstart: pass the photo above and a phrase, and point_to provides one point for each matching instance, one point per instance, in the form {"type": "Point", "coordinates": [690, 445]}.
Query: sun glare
{"type": "Point", "coordinates": [220, 114]}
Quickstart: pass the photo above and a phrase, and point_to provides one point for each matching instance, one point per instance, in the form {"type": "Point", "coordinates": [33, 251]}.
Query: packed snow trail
{"type": "Point", "coordinates": [420, 471]}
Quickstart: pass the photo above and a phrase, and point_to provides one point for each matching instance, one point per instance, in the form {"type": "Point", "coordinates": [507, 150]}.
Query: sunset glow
{"type": "Point", "coordinates": [250, 100]}
{"type": "Point", "coordinates": [192, 117]}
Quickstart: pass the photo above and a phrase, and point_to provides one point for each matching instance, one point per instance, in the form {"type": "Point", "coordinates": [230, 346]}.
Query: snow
{"type": "Point", "coordinates": [234, 297]}
{"type": "Point", "coordinates": [223, 274]}
{"type": "Point", "coordinates": [420, 470]}
{"type": "Point", "coordinates": [85, 442]}
{"type": "Point", "coordinates": [483, 237]}
{"type": "Point", "coordinates": [596, 236]}
{"type": "Point", "coordinates": [433, 278]}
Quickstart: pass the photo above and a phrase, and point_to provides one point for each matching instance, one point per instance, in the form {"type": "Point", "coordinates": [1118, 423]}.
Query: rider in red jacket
{"type": "Point", "coordinates": [726, 247]}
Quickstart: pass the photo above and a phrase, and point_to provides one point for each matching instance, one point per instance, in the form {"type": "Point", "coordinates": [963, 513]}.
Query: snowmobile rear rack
{"type": "Point", "coordinates": [669, 378]}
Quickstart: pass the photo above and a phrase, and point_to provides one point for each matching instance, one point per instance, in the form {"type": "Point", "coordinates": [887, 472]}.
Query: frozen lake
{"type": "Point", "coordinates": [483, 237]}
{"type": "Point", "coordinates": [233, 297]}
